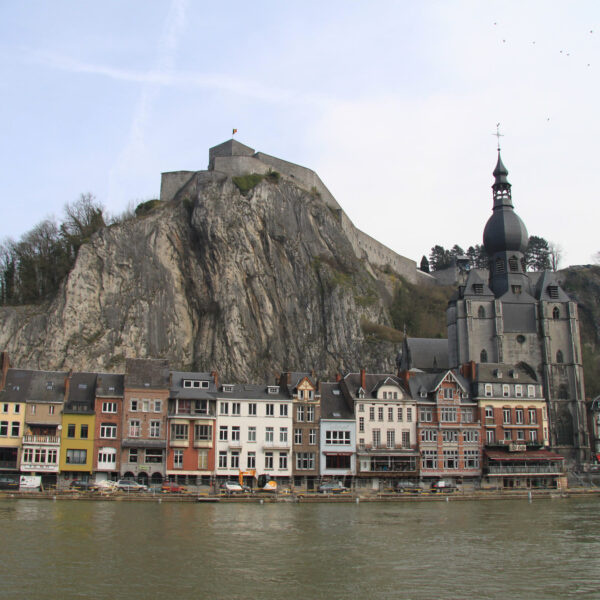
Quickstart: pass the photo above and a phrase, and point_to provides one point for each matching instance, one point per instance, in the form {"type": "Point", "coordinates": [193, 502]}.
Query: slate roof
{"type": "Point", "coordinates": [110, 385]}
{"type": "Point", "coordinates": [425, 354]}
{"type": "Point", "coordinates": [488, 373]}
{"type": "Point", "coordinates": [373, 381]}
{"type": "Point", "coordinates": [547, 279]}
{"type": "Point", "coordinates": [82, 393]}
{"type": "Point", "coordinates": [428, 382]}
{"type": "Point", "coordinates": [333, 405]}
{"type": "Point", "coordinates": [293, 378]}
{"type": "Point", "coordinates": [25, 385]}
{"type": "Point", "coordinates": [253, 391]}
{"type": "Point", "coordinates": [178, 391]}
{"type": "Point", "coordinates": [151, 373]}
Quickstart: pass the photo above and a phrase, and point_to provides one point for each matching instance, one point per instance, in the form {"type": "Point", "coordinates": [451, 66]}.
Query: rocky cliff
{"type": "Point", "coordinates": [248, 284]}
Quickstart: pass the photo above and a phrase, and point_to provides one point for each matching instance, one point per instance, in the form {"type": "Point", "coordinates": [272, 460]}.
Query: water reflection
{"type": "Point", "coordinates": [547, 549]}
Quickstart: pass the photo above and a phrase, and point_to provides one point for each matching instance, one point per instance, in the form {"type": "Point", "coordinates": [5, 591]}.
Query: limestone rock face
{"type": "Point", "coordinates": [248, 285]}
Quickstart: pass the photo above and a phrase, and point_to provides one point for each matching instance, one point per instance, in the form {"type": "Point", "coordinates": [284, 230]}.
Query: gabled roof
{"type": "Point", "coordinates": [82, 393]}
{"type": "Point", "coordinates": [151, 373]}
{"type": "Point", "coordinates": [430, 382]}
{"type": "Point", "coordinates": [110, 385]}
{"type": "Point", "coordinates": [25, 385]}
{"type": "Point", "coordinates": [333, 404]}
{"type": "Point", "coordinates": [478, 277]}
{"type": "Point", "coordinates": [426, 354]}
{"type": "Point", "coordinates": [547, 280]}
{"type": "Point", "coordinates": [373, 381]}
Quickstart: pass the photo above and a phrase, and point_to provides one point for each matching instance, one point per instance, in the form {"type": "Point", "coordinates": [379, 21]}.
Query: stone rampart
{"type": "Point", "coordinates": [171, 183]}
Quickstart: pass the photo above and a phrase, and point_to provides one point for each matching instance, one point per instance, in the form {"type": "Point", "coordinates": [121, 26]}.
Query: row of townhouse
{"type": "Point", "coordinates": [487, 423]}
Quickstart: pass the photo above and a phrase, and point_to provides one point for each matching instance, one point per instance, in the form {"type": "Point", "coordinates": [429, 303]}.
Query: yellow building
{"type": "Point", "coordinates": [12, 417]}
{"type": "Point", "coordinates": [78, 426]}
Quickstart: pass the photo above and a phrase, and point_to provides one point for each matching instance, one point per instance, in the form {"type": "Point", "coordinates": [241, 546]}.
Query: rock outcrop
{"type": "Point", "coordinates": [215, 279]}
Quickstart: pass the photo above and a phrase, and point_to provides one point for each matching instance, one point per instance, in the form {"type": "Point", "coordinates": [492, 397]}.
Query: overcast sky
{"type": "Point", "coordinates": [393, 104]}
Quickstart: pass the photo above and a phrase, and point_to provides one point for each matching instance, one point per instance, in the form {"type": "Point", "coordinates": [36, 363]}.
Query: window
{"type": "Point", "coordinates": [269, 434]}
{"type": "Point", "coordinates": [505, 390]}
{"type": "Point", "coordinates": [490, 436]}
{"type": "Point", "coordinates": [178, 432]}
{"type": "Point", "coordinates": [483, 357]}
{"type": "Point", "coordinates": [268, 461]}
{"type": "Point", "coordinates": [235, 460]}
{"type": "Point", "coordinates": [531, 391]}
{"type": "Point", "coordinates": [516, 289]}
{"type": "Point", "coordinates": [184, 407]}
{"type": "Point", "coordinates": [251, 460]}
{"type": "Point", "coordinates": [520, 435]}
{"type": "Point", "coordinates": [481, 312]}
{"type": "Point", "coordinates": [134, 428]}
{"type": "Point", "coordinates": [107, 456]}
{"type": "Point", "coordinates": [17, 409]}
{"type": "Point", "coordinates": [297, 436]}
{"type": "Point", "coordinates": [202, 460]}
{"type": "Point", "coordinates": [471, 436]}
{"type": "Point", "coordinates": [222, 459]}
{"type": "Point", "coordinates": [51, 409]}
{"type": "Point", "coordinates": [157, 405]}
{"type": "Point", "coordinates": [450, 435]}
{"type": "Point", "coordinates": [3, 428]}
{"type": "Point", "coordinates": [133, 455]}
{"type": "Point", "coordinates": [448, 415]}
{"type": "Point", "coordinates": [33, 409]}
{"type": "Point", "coordinates": [506, 416]}
{"type": "Point", "coordinates": [83, 432]}
{"type": "Point", "coordinates": [467, 415]}
{"type": "Point", "coordinates": [519, 391]}
{"type": "Point", "coordinates": [400, 414]}
{"type": "Point", "coordinates": [471, 459]}
{"type": "Point", "coordinates": [155, 429]}
{"type": "Point", "coordinates": [270, 409]}
{"type": "Point", "coordinates": [532, 414]}
{"type": "Point", "coordinates": [450, 459]}
{"type": "Point", "coordinates": [406, 439]}
{"type": "Point", "coordinates": [409, 414]}
{"type": "Point", "coordinates": [133, 405]}
{"type": "Point", "coordinates": [235, 433]}
{"type": "Point", "coordinates": [361, 408]}
{"type": "Point", "coordinates": [390, 413]}
{"type": "Point", "coordinates": [203, 433]}
{"type": "Point", "coordinates": [380, 413]}
{"type": "Point", "coordinates": [236, 408]}
{"type": "Point", "coordinates": [71, 431]}
{"type": "Point", "coordinates": [312, 437]}
{"type": "Point", "coordinates": [108, 430]}
{"type": "Point", "coordinates": [337, 437]}
{"type": "Point", "coordinates": [223, 433]}
{"type": "Point", "coordinates": [252, 409]}
{"type": "Point", "coordinates": [5, 408]}
{"type": "Point", "coordinates": [489, 412]}
{"type": "Point", "coordinates": [283, 460]}
{"type": "Point", "coordinates": [519, 416]}
{"type": "Point", "coordinates": [155, 456]}
{"type": "Point", "coordinates": [337, 461]}
{"type": "Point", "coordinates": [310, 414]}
{"type": "Point", "coordinates": [426, 415]}
{"type": "Point", "coordinates": [201, 407]}
{"type": "Point", "coordinates": [251, 434]}
{"type": "Point", "coordinates": [429, 459]}
{"type": "Point", "coordinates": [533, 435]}
{"type": "Point", "coordinates": [223, 408]}
{"type": "Point", "coordinates": [428, 435]}
{"type": "Point", "coordinates": [15, 428]}
{"type": "Point", "coordinates": [376, 438]}
{"type": "Point", "coordinates": [283, 435]}
{"type": "Point", "coordinates": [371, 413]}
{"type": "Point", "coordinates": [76, 457]}
{"type": "Point", "coordinates": [305, 460]}
{"type": "Point", "coordinates": [555, 313]}
{"type": "Point", "coordinates": [300, 413]}
{"type": "Point", "coordinates": [391, 438]}
{"type": "Point", "coordinates": [361, 424]}
{"type": "Point", "coordinates": [109, 407]}
{"type": "Point", "coordinates": [507, 434]}
{"type": "Point", "coordinates": [559, 357]}
{"type": "Point", "coordinates": [283, 410]}
{"type": "Point", "coordinates": [448, 393]}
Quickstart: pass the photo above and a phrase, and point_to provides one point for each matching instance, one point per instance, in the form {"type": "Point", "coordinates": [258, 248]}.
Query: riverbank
{"type": "Point", "coordinates": [304, 498]}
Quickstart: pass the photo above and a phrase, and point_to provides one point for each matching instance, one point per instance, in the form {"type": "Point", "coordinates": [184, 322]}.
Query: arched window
{"type": "Point", "coordinates": [483, 356]}
{"type": "Point", "coordinates": [555, 313]}
{"type": "Point", "coordinates": [559, 357]}
{"type": "Point", "coordinates": [513, 263]}
{"type": "Point", "coordinates": [481, 312]}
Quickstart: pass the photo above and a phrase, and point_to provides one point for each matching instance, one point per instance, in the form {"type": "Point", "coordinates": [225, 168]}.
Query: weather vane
{"type": "Point", "coordinates": [498, 135]}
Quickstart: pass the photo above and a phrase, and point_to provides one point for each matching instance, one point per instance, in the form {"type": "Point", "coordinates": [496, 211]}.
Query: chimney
{"type": "Point", "coordinates": [5, 366]}
{"type": "Point", "coordinates": [68, 384]}
{"type": "Point", "coordinates": [215, 375]}
{"type": "Point", "coordinates": [338, 377]}
{"type": "Point", "coordinates": [363, 379]}
{"type": "Point", "coordinates": [405, 376]}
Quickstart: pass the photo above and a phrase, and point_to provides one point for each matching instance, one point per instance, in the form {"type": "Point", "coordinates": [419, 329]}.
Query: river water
{"type": "Point", "coordinates": [487, 549]}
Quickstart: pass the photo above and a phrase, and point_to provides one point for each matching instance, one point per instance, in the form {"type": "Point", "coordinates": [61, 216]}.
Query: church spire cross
{"type": "Point", "coordinates": [498, 135]}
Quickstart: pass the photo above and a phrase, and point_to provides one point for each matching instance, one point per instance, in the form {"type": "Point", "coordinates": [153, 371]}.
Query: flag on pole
{"type": "Point", "coordinates": [234, 132]}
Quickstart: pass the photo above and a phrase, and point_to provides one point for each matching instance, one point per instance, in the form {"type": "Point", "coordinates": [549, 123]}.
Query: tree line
{"type": "Point", "coordinates": [32, 268]}
{"type": "Point", "coordinates": [540, 255]}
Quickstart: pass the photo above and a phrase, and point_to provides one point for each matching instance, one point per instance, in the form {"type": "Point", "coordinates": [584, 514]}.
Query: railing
{"type": "Point", "coordinates": [524, 469]}
{"type": "Point", "coordinates": [41, 439]}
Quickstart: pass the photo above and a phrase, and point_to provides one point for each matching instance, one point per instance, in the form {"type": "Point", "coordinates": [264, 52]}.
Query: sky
{"type": "Point", "coordinates": [394, 105]}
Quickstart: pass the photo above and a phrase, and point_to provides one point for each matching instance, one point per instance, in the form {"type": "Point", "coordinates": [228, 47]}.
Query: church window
{"type": "Point", "coordinates": [481, 312]}
{"type": "Point", "coordinates": [560, 357]}
{"type": "Point", "coordinates": [516, 289]}
{"type": "Point", "coordinates": [513, 263]}
{"type": "Point", "coordinates": [553, 291]}
{"type": "Point", "coordinates": [555, 313]}
{"type": "Point", "coordinates": [483, 356]}
{"type": "Point", "coordinates": [500, 266]}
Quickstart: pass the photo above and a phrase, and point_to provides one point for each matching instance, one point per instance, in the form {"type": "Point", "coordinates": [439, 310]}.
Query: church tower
{"type": "Point", "coordinates": [512, 317]}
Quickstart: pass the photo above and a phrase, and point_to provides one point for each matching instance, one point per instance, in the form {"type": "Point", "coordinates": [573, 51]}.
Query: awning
{"type": "Point", "coordinates": [531, 455]}
{"type": "Point", "coordinates": [338, 453]}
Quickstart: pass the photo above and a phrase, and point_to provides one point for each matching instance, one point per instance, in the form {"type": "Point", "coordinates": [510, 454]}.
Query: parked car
{"type": "Point", "coordinates": [443, 486]}
{"type": "Point", "coordinates": [231, 487]}
{"type": "Point", "coordinates": [9, 483]}
{"type": "Point", "coordinates": [128, 485]}
{"type": "Point", "coordinates": [106, 485]}
{"type": "Point", "coordinates": [408, 487]}
{"type": "Point", "coordinates": [83, 486]}
{"type": "Point", "coordinates": [172, 487]}
{"type": "Point", "coordinates": [332, 487]}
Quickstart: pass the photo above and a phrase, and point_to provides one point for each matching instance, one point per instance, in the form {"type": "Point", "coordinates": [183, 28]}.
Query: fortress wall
{"type": "Point", "coordinates": [239, 165]}
{"type": "Point", "coordinates": [171, 183]}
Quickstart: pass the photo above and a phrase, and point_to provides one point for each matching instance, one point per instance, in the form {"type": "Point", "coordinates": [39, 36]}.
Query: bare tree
{"type": "Point", "coordinates": [555, 251]}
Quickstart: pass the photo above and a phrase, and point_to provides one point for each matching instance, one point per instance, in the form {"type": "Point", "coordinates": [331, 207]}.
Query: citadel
{"type": "Point", "coordinates": [499, 404]}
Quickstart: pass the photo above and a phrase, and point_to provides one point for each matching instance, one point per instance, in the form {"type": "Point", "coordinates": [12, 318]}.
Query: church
{"type": "Point", "coordinates": [524, 323]}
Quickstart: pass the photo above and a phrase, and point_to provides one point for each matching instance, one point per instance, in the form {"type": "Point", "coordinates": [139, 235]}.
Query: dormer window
{"type": "Point", "coordinates": [228, 388]}
{"type": "Point", "coordinates": [49, 385]}
{"type": "Point", "coordinates": [552, 291]}
{"type": "Point", "coordinates": [273, 389]}
{"type": "Point", "coordinates": [187, 383]}
{"type": "Point", "coordinates": [498, 373]}
{"type": "Point", "coordinates": [361, 393]}
{"type": "Point", "coordinates": [478, 289]}
{"type": "Point", "coordinates": [423, 394]}
{"type": "Point", "coordinates": [514, 374]}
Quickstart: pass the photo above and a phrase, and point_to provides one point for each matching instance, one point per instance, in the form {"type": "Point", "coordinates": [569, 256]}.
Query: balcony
{"type": "Point", "coordinates": [234, 443]}
{"type": "Point", "coordinates": [41, 439]}
{"type": "Point", "coordinates": [525, 470]}
{"type": "Point", "coordinates": [179, 443]}
{"type": "Point", "coordinates": [203, 444]}
{"type": "Point", "coordinates": [276, 445]}
{"type": "Point", "coordinates": [39, 467]}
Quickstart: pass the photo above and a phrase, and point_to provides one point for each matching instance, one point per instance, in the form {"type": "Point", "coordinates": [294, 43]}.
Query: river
{"type": "Point", "coordinates": [482, 549]}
